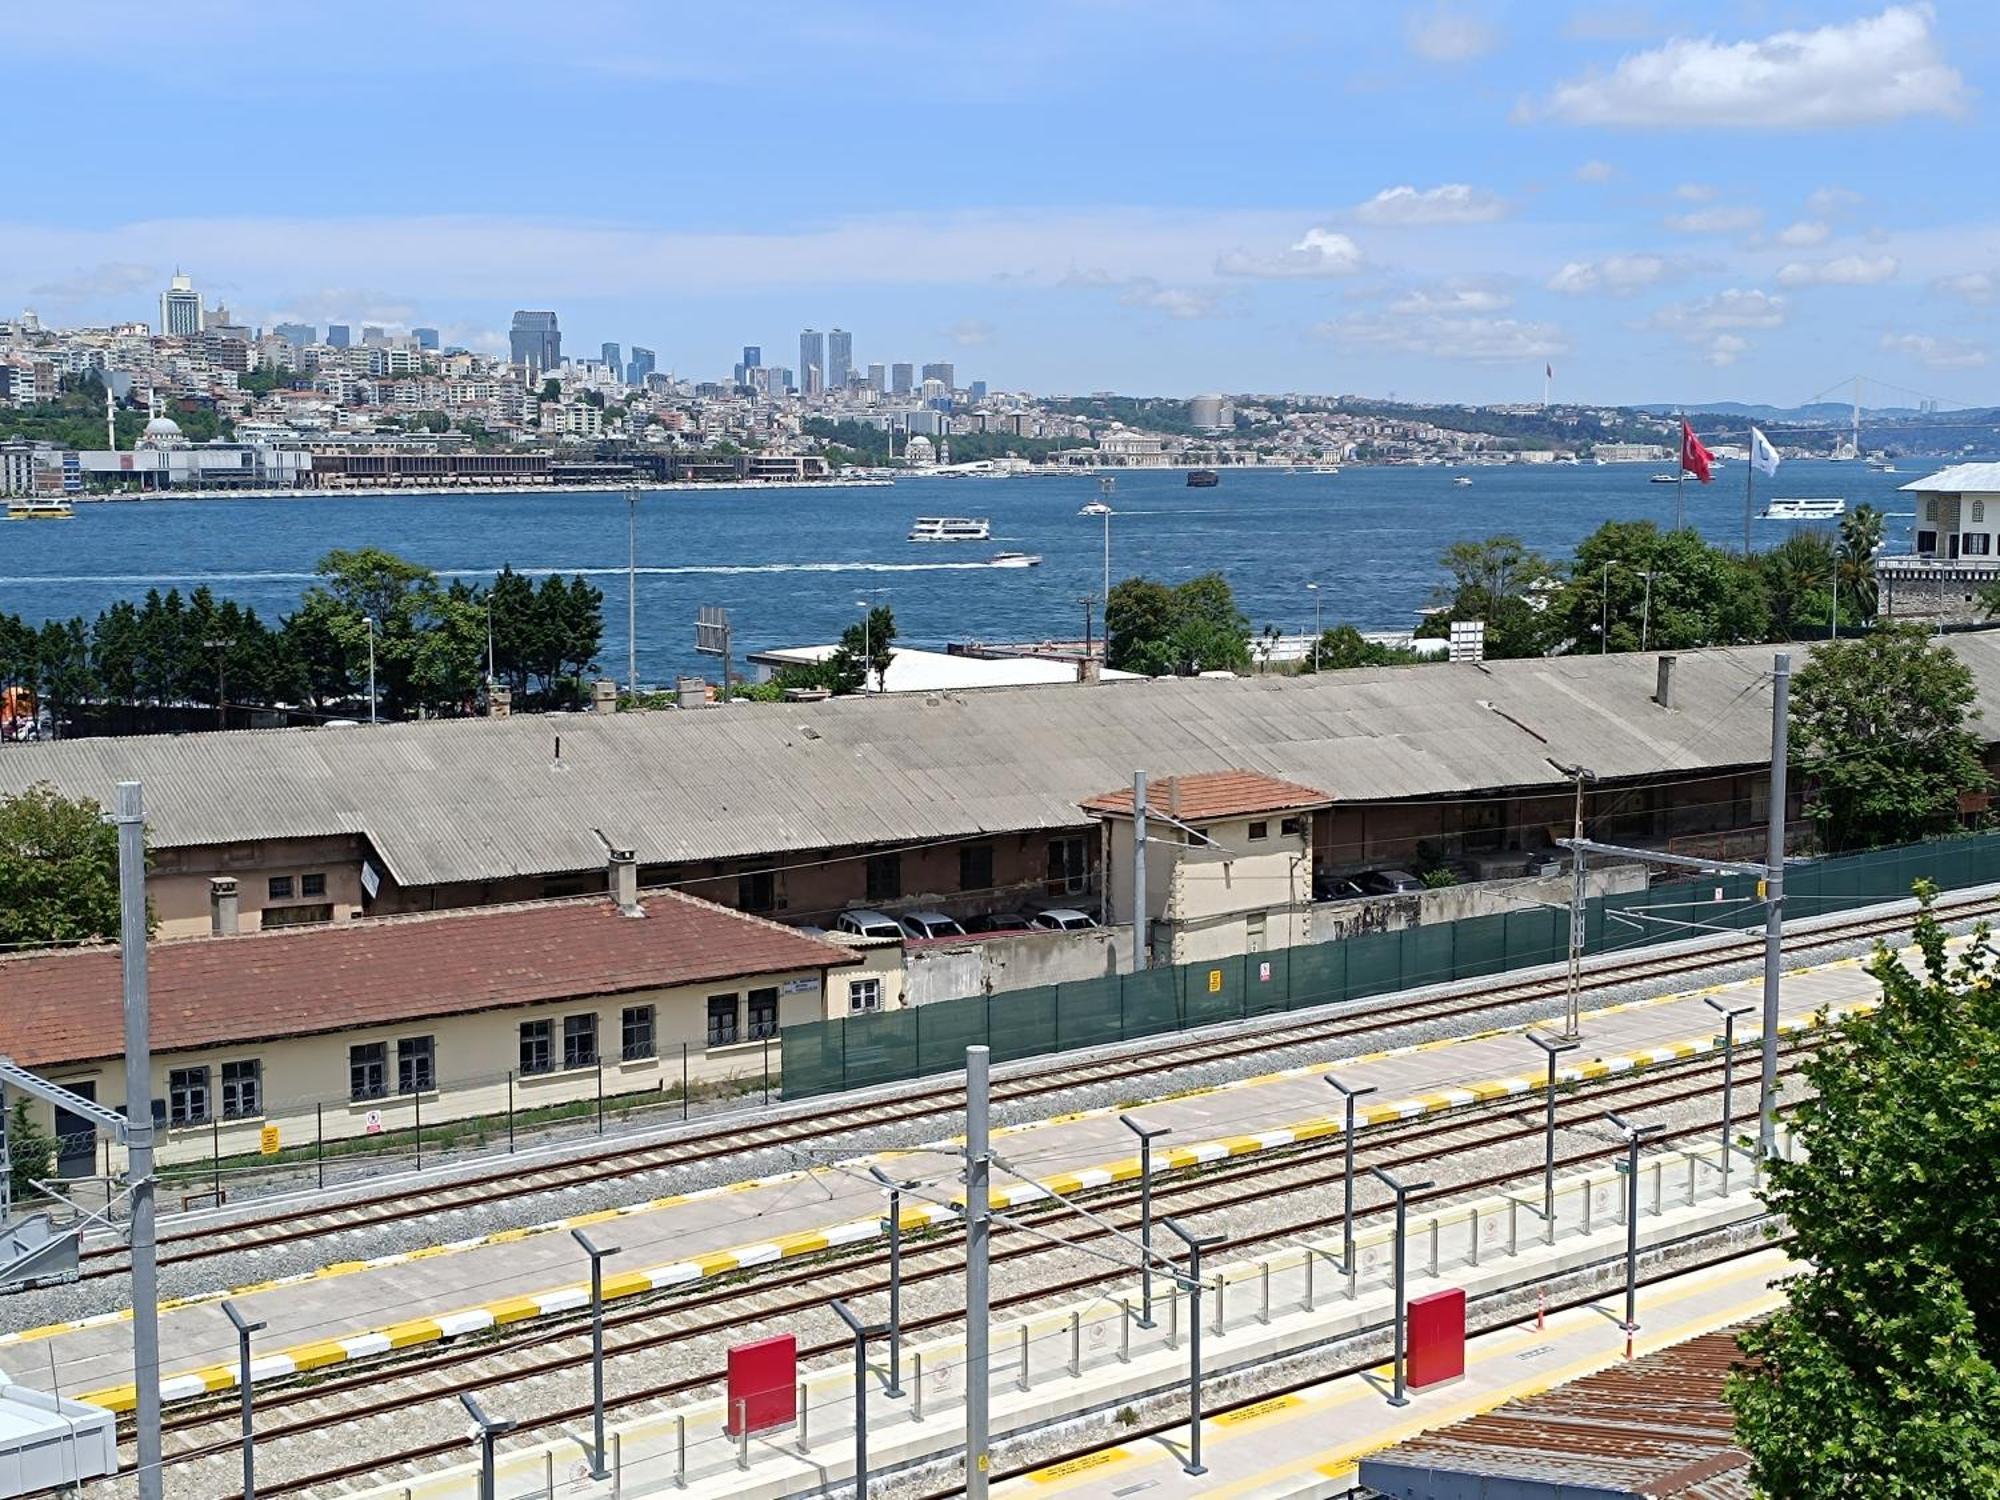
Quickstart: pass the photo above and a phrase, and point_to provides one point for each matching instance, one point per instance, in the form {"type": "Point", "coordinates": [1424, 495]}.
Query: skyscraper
{"type": "Point", "coordinates": [941, 372]}
{"type": "Point", "coordinates": [901, 378]}
{"type": "Point", "coordinates": [535, 340]}
{"type": "Point", "coordinates": [640, 367]}
{"type": "Point", "coordinates": [812, 363]}
{"type": "Point", "coordinates": [614, 359]}
{"type": "Point", "coordinates": [180, 307]}
{"type": "Point", "coordinates": [336, 335]}
{"type": "Point", "coordinates": [374, 336]}
{"type": "Point", "coordinates": [752, 356]}
{"type": "Point", "coordinates": [298, 335]}
{"type": "Point", "coordinates": [839, 358]}
{"type": "Point", "coordinates": [427, 338]}
{"type": "Point", "coordinates": [878, 378]}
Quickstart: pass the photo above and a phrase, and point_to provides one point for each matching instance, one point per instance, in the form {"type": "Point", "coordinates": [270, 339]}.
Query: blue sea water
{"type": "Point", "coordinates": [793, 565]}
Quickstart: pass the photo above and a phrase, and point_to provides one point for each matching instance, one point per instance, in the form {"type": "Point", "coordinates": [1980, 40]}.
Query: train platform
{"type": "Point", "coordinates": [358, 1308]}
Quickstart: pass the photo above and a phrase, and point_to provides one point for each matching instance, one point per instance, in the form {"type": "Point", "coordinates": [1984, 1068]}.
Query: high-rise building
{"type": "Point", "coordinates": [901, 378]}
{"type": "Point", "coordinates": [752, 356]}
{"type": "Point", "coordinates": [614, 359]}
{"type": "Point", "coordinates": [641, 365]}
{"type": "Point", "coordinates": [977, 390]}
{"type": "Point", "coordinates": [839, 358]}
{"type": "Point", "coordinates": [298, 335]}
{"type": "Point", "coordinates": [878, 378]}
{"type": "Point", "coordinates": [427, 338]}
{"type": "Point", "coordinates": [180, 307]}
{"type": "Point", "coordinates": [374, 337]}
{"type": "Point", "coordinates": [535, 340]}
{"type": "Point", "coordinates": [942, 373]}
{"type": "Point", "coordinates": [336, 335]}
{"type": "Point", "coordinates": [812, 362]}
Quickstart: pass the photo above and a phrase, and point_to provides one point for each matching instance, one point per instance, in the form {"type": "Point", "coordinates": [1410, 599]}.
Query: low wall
{"type": "Point", "coordinates": [1453, 903]}
{"type": "Point", "coordinates": [950, 971]}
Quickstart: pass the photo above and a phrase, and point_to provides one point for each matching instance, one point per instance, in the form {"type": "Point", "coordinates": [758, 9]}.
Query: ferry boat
{"type": "Point", "coordinates": [1461, 479]}
{"type": "Point", "coordinates": [1804, 509]}
{"type": "Point", "coordinates": [1203, 479]}
{"type": "Point", "coordinates": [39, 510]}
{"type": "Point", "coordinates": [951, 529]}
{"type": "Point", "coordinates": [1672, 478]}
{"type": "Point", "coordinates": [1097, 508]}
{"type": "Point", "coordinates": [1015, 560]}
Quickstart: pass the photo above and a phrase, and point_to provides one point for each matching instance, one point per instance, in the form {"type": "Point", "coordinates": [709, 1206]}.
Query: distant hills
{"type": "Point", "coordinates": [1819, 412]}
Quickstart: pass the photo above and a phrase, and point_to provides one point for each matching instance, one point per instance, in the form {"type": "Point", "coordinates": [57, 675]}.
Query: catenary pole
{"type": "Point", "coordinates": [131, 820]}
{"type": "Point", "coordinates": [978, 1292]}
{"type": "Point", "coordinates": [1774, 903]}
{"type": "Point", "coordinates": [1140, 957]}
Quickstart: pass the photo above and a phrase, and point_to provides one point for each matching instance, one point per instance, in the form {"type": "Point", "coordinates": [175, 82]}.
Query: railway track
{"type": "Point", "coordinates": [735, 1137]}
{"type": "Point", "coordinates": [383, 1391]}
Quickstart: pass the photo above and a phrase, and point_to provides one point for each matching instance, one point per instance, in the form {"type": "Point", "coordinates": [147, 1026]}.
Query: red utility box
{"type": "Point", "coordinates": [1436, 1339]}
{"type": "Point", "coordinates": [763, 1385]}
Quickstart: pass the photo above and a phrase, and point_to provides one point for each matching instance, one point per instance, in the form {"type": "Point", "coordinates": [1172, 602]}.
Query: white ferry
{"type": "Point", "coordinates": [1802, 509]}
{"type": "Point", "coordinates": [951, 529]}
{"type": "Point", "coordinates": [39, 510]}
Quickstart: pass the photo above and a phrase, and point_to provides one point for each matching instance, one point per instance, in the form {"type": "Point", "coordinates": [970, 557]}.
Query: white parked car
{"type": "Point", "coordinates": [864, 923]}
{"type": "Point", "coordinates": [931, 924]}
{"type": "Point", "coordinates": [1062, 919]}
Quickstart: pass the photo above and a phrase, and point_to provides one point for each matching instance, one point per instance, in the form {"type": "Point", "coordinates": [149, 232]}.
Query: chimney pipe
{"type": "Point", "coordinates": [1663, 688]}
{"type": "Point", "coordinates": [625, 882]}
{"type": "Point", "coordinates": [222, 906]}
{"type": "Point", "coordinates": [499, 702]}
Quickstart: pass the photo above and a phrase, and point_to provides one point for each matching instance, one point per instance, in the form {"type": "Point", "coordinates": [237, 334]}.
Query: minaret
{"type": "Point", "coordinates": [110, 416]}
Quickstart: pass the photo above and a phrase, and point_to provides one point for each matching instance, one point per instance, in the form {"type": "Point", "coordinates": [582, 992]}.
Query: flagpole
{"type": "Point", "coordinates": [1749, 468]}
{"type": "Point", "coordinates": [1680, 472]}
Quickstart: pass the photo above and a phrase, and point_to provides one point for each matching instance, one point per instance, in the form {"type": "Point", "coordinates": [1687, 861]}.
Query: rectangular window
{"type": "Point", "coordinates": [368, 1070]}
{"type": "Point", "coordinates": [312, 885]}
{"type": "Point", "coordinates": [885, 877]}
{"type": "Point", "coordinates": [280, 888]}
{"type": "Point", "coordinates": [537, 1044]}
{"type": "Point", "coordinates": [975, 867]}
{"type": "Point", "coordinates": [416, 1064]}
{"type": "Point", "coordinates": [1261, 829]}
{"type": "Point", "coordinates": [763, 1014]}
{"type": "Point", "coordinates": [1291, 827]}
{"type": "Point", "coordinates": [1068, 873]}
{"type": "Point", "coordinates": [1976, 544]}
{"type": "Point", "coordinates": [1926, 543]}
{"type": "Point", "coordinates": [636, 1033]}
{"type": "Point", "coordinates": [580, 1041]}
{"type": "Point", "coordinates": [242, 1089]}
{"type": "Point", "coordinates": [757, 890]}
{"type": "Point", "coordinates": [721, 1020]}
{"type": "Point", "coordinates": [187, 1096]}
{"type": "Point", "coordinates": [863, 995]}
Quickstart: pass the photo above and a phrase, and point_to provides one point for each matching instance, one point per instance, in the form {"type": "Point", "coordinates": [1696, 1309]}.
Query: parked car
{"type": "Point", "coordinates": [1062, 919]}
{"type": "Point", "coordinates": [999, 921]}
{"type": "Point", "coordinates": [931, 924]}
{"type": "Point", "coordinates": [1387, 882]}
{"type": "Point", "coordinates": [865, 923]}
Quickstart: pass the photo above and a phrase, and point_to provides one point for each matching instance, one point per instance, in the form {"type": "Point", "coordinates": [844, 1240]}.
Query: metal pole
{"type": "Point", "coordinates": [1550, 1047]}
{"type": "Point", "coordinates": [1402, 1190]}
{"type": "Point", "coordinates": [489, 1432]}
{"type": "Point", "coordinates": [1195, 1244]}
{"type": "Point", "coordinates": [131, 820]}
{"type": "Point", "coordinates": [244, 1328]}
{"type": "Point", "coordinates": [1347, 1171]}
{"type": "Point", "coordinates": [1141, 957]}
{"type": "Point", "coordinates": [1774, 904]}
{"type": "Point", "coordinates": [1146, 1133]}
{"type": "Point", "coordinates": [1635, 1135]}
{"type": "Point", "coordinates": [894, 1389]}
{"type": "Point", "coordinates": [632, 590]}
{"type": "Point", "coordinates": [861, 1333]}
{"type": "Point", "coordinates": [1729, 1015]}
{"type": "Point", "coordinates": [319, 1141]}
{"type": "Point", "coordinates": [1579, 895]}
{"type": "Point", "coordinates": [510, 1111]}
{"type": "Point", "coordinates": [373, 716]}
{"type": "Point", "coordinates": [596, 1252]}
{"type": "Point", "coordinates": [978, 1292]}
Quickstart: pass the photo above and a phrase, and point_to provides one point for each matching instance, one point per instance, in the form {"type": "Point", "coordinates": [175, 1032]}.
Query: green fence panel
{"type": "Point", "coordinates": [1212, 990]}
{"type": "Point", "coordinates": [945, 1029]}
{"type": "Point", "coordinates": [1088, 1013]}
{"type": "Point", "coordinates": [1267, 982]}
{"type": "Point", "coordinates": [1533, 937]}
{"type": "Point", "coordinates": [1022, 1023]}
{"type": "Point", "coordinates": [881, 1048]}
{"type": "Point", "coordinates": [1478, 946]}
{"type": "Point", "coordinates": [1152, 1002]}
{"type": "Point", "coordinates": [1427, 954]}
{"type": "Point", "coordinates": [812, 1058]}
{"type": "Point", "coordinates": [1374, 963]}
{"type": "Point", "coordinates": [1319, 974]}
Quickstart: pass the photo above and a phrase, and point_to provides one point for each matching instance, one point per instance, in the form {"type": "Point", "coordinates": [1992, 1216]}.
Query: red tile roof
{"type": "Point", "coordinates": [210, 991]}
{"type": "Point", "coordinates": [1213, 794]}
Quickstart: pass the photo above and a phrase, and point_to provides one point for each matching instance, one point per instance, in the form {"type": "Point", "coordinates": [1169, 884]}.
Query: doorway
{"type": "Point", "coordinates": [76, 1137]}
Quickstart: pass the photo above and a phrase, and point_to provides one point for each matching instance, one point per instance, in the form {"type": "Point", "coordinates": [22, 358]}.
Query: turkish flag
{"type": "Point", "coordinates": [1695, 459]}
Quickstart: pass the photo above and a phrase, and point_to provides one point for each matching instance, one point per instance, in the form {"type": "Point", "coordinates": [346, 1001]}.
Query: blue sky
{"type": "Point", "coordinates": [1696, 202]}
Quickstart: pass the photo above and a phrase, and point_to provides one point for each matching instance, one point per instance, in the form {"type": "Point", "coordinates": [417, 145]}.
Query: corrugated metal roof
{"type": "Point", "coordinates": [1959, 479]}
{"type": "Point", "coordinates": [1654, 1429]}
{"type": "Point", "coordinates": [469, 800]}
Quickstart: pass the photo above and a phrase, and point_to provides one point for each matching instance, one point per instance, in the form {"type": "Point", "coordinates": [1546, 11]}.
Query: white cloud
{"type": "Point", "coordinates": [1695, 192]}
{"type": "Point", "coordinates": [1480, 340]}
{"type": "Point", "coordinates": [1735, 308]}
{"type": "Point", "coordinates": [1970, 286]}
{"type": "Point", "coordinates": [1614, 275]}
{"type": "Point", "coordinates": [1723, 219]}
{"type": "Point", "coordinates": [1596, 171]}
{"type": "Point", "coordinates": [1883, 67]}
{"type": "Point", "coordinates": [968, 332]}
{"type": "Point", "coordinates": [1174, 301]}
{"type": "Point", "coordinates": [1459, 297]}
{"type": "Point", "coordinates": [1451, 203]}
{"type": "Point", "coordinates": [115, 278]}
{"type": "Point", "coordinates": [1803, 234]}
{"type": "Point", "coordinates": [1831, 200]}
{"type": "Point", "coordinates": [1843, 270]}
{"type": "Point", "coordinates": [1320, 252]}
{"type": "Point", "coordinates": [1449, 34]}
{"type": "Point", "coordinates": [1724, 349]}
{"type": "Point", "coordinates": [1936, 353]}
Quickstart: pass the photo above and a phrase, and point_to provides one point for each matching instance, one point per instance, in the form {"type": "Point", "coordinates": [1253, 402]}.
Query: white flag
{"type": "Point", "coordinates": [1763, 457]}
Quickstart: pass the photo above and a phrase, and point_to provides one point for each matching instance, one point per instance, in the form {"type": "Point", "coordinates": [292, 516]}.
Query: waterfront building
{"type": "Point", "coordinates": [878, 379]}
{"type": "Point", "coordinates": [639, 366]}
{"type": "Point", "coordinates": [902, 377]}
{"type": "Point", "coordinates": [942, 373]}
{"type": "Point", "coordinates": [839, 358]}
{"type": "Point", "coordinates": [535, 340]}
{"type": "Point", "coordinates": [181, 313]}
{"type": "Point", "coordinates": [336, 335]}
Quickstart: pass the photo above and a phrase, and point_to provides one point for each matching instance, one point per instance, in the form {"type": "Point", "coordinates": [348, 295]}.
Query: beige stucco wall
{"type": "Point", "coordinates": [1203, 900]}
{"type": "Point", "coordinates": [177, 881]}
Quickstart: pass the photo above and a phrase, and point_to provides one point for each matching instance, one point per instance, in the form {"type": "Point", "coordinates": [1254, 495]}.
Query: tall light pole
{"type": "Point", "coordinates": [489, 1432]}
{"type": "Point", "coordinates": [632, 590]}
{"type": "Point", "coordinates": [1579, 890]}
{"type": "Point", "coordinates": [1402, 1190]}
{"type": "Point", "coordinates": [1604, 601]}
{"type": "Point", "coordinates": [244, 1328]}
{"type": "Point", "coordinates": [1146, 1134]}
{"type": "Point", "coordinates": [1107, 485]}
{"type": "Point", "coordinates": [1635, 1136]}
{"type": "Point", "coordinates": [131, 821]}
{"type": "Point", "coordinates": [1729, 1013]}
{"type": "Point", "coordinates": [1196, 1243]}
{"type": "Point", "coordinates": [1774, 903]}
{"type": "Point", "coordinates": [1347, 1174]}
{"type": "Point", "coordinates": [369, 621]}
{"type": "Point", "coordinates": [978, 1286]}
{"type": "Point", "coordinates": [598, 1468]}
{"type": "Point", "coordinates": [862, 1333]}
{"type": "Point", "coordinates": [1552, 1047]}
{"type": "Point", "coordinates": [896, 1188]}
{"type": "Point", "coordinates": [1319, 621]}
{"type": "Point", "coordinates": [867, 643]}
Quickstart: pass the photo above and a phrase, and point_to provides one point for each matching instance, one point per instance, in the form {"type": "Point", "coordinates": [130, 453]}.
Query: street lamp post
{"type": "Point", "coordinates": [1552, 1046]}
{"type": "Point", "coordinates": [862, 1333]}
{"type": "Point", "coordinates": [896, 1189]}
{"type": "Point", "coordinates": [1347, 1174]}
{"type": "Point", "coordinates": [1146, 1134]}
{"type": "Point", "coordinates": [631, 593]}
{"type": "Point", "coordinates": [1579, 891]}
{"type": "Point", "coordinates": [1604, 600]}
{"type": "Point", "coordinates": [490, 1431]}
{"type": "Point", "coordinates": [1402, 1190]}
{"type": "Point", "coordinates": [598, 1468]}
{"type": "Point", "coordinates": [244, 1328]}
{"type": "Point", "coordinates": [369, 621]}
{"type": "Point", "coordinates": [1635, 1136]}
{"type": "Point", "coordinates": [1319, 621]}
{"type": "Point", "coordinates": [1196, 1243]}
{"type": "Point", "coordinates": [1107, 485]}
{"type": "Point", "coordinates": [1729, 1013]}
{"type": "Point", "coordinates": [867, 642]}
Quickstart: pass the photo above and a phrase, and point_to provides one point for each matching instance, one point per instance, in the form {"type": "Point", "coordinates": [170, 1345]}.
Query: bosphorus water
{"type": "Point", "coordinates": [793, 566]}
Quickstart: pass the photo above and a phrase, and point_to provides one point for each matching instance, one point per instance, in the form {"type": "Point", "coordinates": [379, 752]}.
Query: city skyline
{"type": "Point", "coordinates": [1712, 206]}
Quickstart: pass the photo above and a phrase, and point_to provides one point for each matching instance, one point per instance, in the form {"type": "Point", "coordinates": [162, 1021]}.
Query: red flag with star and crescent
{"type": "Point", "coordinates": [1695, 459]}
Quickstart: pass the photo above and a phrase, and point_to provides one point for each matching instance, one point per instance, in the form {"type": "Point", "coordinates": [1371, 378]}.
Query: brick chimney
{"type": "Point", "coordinates": [604, 696]}
{"type": "Point", "coordinates": [1663, 685]}
{"type": "Point", "coordinates": [625, 882]}
{"type": "Point", "coordinates": [499, 702]}
{"type": "Point", "coordinates": [222, 906]}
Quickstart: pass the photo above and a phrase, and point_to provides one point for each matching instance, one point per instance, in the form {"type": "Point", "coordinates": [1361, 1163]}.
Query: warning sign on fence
{"type": "Point", "coordinates": [1215, 981]}
{"type": "Point", "coordinates": [267, 1140]}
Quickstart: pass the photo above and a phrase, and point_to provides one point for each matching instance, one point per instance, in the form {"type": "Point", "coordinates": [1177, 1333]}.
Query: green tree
{"type": "Point", "coordinates": [1342, 646]}
{"type": "Point", "coordinates": [1500, 581]}
{"type": "Point", "coordinates": [1861, 533]}
{"type": "Point", "coordinates": [30, 1151]}
{"type": "Point", "coordinates": [1656, 590]}
{"type": "Point", "coordinates": [1192, 627]}
{"type": "Point", "coordinates": [868, 649]}
{"type": "Point", "coordinates": [1880, 1377]}
{"type": "Point", "coordinates": [58, 870]}
{"type": "Point", "coordinates": [552, 389]}
{"type": "Point", "coordinates": [1879, 729]}
{"type": "Point", "coordinates": [1799, 578]}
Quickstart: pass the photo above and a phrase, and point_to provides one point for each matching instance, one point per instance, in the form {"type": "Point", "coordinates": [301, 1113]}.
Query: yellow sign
{"type": "Point", "coordinates": [1215, 981]}
{"type": "Point", "coordinates": [1763, 891]}
{"type": "Point", "coordinates": [267, 1140]}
